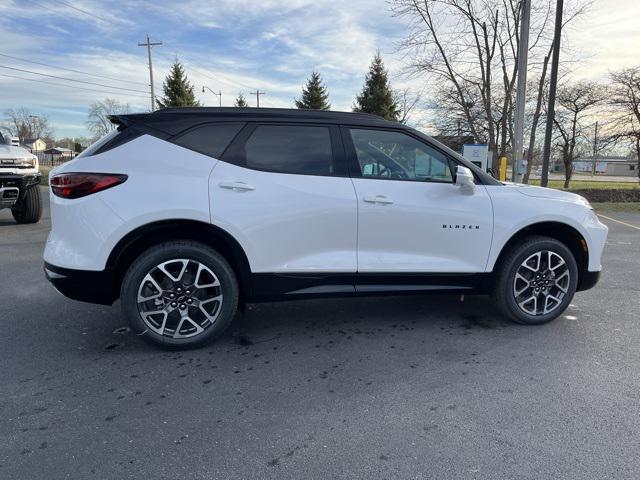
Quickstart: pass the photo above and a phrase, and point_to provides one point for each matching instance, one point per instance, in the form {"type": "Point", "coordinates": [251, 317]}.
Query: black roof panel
{"type": "Point", "coordinates": [175, 120]}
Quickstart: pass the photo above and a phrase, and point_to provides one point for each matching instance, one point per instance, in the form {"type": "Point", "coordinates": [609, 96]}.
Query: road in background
{"type": "Point", "coordinates": [418, 387]}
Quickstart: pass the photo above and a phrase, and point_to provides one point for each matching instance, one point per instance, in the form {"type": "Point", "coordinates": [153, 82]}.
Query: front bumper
{"type": "Point", "coordinates": [13, 187]}
{"type": "Point", "coordinates": [83, 285]}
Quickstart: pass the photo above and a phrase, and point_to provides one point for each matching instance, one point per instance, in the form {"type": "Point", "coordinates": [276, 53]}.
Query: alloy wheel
{"type": "Point", "coordinates": [179, 298]}
{"type": "Point", "coordinates": [541, 282]}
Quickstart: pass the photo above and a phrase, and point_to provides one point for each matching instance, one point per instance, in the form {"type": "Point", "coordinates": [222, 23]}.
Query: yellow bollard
{"type": "Point", "coordinates": [503, 169]}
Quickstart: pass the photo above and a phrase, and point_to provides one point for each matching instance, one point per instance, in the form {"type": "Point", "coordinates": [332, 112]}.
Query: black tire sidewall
{"type": "Point", "coordinates": [512, 267]}
{"type": "Point", "coordinates": [168, 251]}
{"type": "Point", "coordinates": [30, 208]}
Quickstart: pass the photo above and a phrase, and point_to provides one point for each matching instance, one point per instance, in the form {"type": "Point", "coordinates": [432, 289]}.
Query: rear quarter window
{"type": "Point", "coordinates": [211, 140]}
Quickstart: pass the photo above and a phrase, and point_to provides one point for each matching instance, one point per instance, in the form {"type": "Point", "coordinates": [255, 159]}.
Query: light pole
{"type": "Point", "coordinates": [219, 94]}
{"type": "Point", "coordinates": [523, 53]}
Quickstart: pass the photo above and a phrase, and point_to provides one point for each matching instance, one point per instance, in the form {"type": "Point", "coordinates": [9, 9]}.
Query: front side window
{"type": "Point", "coordinates": [396, 155]}
{"type": "Point", "coordinates": [294, 149]}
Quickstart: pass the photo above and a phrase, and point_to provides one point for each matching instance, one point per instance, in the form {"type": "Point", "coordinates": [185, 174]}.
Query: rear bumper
{"type": "Point", "coordinates": [588, 280]}
{"type": "Point", "coordinates": [83, 285]}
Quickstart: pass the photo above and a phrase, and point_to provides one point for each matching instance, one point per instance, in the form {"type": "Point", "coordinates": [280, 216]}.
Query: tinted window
{"type": "Point", "coordinates": [211, 140]}
{"type": "Point", "coordinates": [87, 152]}
{"type": "Point", "coordinates": [395, 155]}
{"type": "Point", "coordinates": [290, 149]}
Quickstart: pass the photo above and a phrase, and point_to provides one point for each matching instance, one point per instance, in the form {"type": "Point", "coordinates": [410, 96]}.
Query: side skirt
{"type": "Point", "coordinates": [265, 287]}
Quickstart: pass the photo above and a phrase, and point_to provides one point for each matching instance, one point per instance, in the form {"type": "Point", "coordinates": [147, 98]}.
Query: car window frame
{"type": "Point", "coordinates": [354, 165]}
{"type": "Point", "coordinates": [236, 153]}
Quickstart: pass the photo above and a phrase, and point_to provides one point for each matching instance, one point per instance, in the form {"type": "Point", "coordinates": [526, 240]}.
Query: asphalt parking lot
{"type": "Point", "coordinates": [418, 387]}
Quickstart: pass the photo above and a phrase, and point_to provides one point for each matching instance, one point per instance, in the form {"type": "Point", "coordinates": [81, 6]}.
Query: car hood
{"type": "Point", "coordinates": [9, 151]}
{"type": "Point", "coordinates": [550, 193]}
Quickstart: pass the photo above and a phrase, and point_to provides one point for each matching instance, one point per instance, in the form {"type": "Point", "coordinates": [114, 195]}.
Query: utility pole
{"type": "Point", "coordinates": [149, 44]}
{"type": "Point", "coordinates": [219, 94]}
{"type": "Point", "coordinates": [553, 85]}
{"type": "Point", "coordinates": [257, 93]}
{"type": "Point", "coordinates": [523, 57]}
{"type": "Point", "coordinates": [595, 150]}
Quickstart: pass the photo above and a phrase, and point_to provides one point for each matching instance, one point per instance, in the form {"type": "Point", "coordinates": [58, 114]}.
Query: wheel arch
{"type": "Point", "coordinates": [562, 232]}
{"type": "Point", "coordinates": [142, 238]}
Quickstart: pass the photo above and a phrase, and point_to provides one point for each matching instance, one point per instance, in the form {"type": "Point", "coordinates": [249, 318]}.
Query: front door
{"type": "Point", "coordinates": [412, 218]}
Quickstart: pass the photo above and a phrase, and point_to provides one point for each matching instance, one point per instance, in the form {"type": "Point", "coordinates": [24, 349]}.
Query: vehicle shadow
{"type": "Point", "coordinates": [338, 322]}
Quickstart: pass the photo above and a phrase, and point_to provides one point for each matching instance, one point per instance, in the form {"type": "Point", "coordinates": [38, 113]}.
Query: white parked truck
{"type": "Point", "coordinates": [19, 180]}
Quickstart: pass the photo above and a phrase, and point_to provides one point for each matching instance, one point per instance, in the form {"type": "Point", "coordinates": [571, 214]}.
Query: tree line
{"type": "Point", "coordinates": [464, 53]}
{"type": "Point", "coordinates": [377, 96]}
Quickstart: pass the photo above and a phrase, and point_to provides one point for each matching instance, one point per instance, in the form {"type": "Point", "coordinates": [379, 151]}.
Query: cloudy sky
{"type": "Point", "coordinates": [233, 46]}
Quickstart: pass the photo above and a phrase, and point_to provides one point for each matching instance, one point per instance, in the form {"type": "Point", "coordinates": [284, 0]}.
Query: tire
{"type": "Point", "coordinates": [186, 273]}
{"type": "Point", "coordinates": [29, 210]}
{"type": "Point", "coordinates": [515, 297]}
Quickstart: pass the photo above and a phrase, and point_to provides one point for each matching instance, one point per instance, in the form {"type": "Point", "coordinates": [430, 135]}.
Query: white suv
{"type": "Point", "coordinates": [187, 214]}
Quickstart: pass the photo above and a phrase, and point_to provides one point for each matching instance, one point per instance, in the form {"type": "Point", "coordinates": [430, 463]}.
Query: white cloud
{"type": "Point", "coordinates": [240, 45]}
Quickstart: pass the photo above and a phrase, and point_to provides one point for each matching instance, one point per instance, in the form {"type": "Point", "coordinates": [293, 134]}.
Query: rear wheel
{"type": "Point", "coordinates": [29, 210]}
{"type": "Point", "coordinates": [180, 294]}
{"type": "Point", "coordinates": [536, 281]}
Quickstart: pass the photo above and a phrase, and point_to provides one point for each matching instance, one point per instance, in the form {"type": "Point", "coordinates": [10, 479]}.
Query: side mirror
{"type": "Point", "coordinates": [464, 177]}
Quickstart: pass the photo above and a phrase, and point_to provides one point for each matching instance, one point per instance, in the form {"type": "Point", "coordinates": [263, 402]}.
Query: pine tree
{"type": "Point", "coordinates": [377, 96]}
{"type": "Point", "coordinates": [178, 92]}
{"type": "Point", "coordinates": [314, 94]}
{"type": "Point", "coordinates": [241, 102]}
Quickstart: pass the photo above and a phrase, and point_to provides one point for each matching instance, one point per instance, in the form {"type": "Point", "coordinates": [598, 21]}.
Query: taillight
{"type": "Point", "coordinates": [76, 185]}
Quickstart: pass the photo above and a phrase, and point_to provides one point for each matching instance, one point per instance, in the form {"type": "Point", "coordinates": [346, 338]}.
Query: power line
{"type": "Point", "coordinates": [210, 76]}
{"type": "Point", "coordinates": [70, 86]}
{"type": "Point", "coordinates": [71, 79]}
{"type": "Point", "coordinates": [86, 12]}
{"type": "Point", "coordinates": [70, 69]}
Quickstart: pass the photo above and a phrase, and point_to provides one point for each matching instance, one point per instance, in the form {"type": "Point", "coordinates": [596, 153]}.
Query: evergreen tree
{"type": "Point", "coordinates": [178, 92]}
{"type": "Point", "coordinates": [314, 94]}
{"type": "Point", "coordinates": [377, 96]}
{"type": "Point", "coordinates": [241, 102]}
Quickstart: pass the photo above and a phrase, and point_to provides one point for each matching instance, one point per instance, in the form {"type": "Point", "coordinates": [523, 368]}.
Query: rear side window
{"type": "Point", "coordinates": [297, 149]}
{"type": "Point", "coordinates": [97, 145]}
{"type": "Point", "coordinates": [210, 140]}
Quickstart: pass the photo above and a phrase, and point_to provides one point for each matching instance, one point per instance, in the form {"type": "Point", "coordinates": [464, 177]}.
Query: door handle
{"type": "Point", "coordinates": [379, 199]}
{"type": "Point", "coordinates": [236, 186]}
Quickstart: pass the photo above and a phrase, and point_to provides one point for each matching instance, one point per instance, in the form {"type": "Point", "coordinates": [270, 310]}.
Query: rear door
{"type": "Point", "coordinates": [283, 191]}
{"type": "Point", "coordinates": [412, 217]}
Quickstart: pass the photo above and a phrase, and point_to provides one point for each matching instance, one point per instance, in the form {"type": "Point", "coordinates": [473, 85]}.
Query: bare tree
{"type": "Point", "coordinates": [98, 122]}
{"type": "Point", "coordinates": [469, 49]}
{"type": "Point", "coordinates": [625, 100]}
{"type": "Point", "coordinates": [407, 100]}
{"type": "Point", "coordinates": [24, 124]}
{"type": "Point", "coordinates": [575, 103]}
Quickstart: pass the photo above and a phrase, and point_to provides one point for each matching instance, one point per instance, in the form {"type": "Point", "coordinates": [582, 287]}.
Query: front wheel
{"type": "Point", "coordinates": [536, 281]}
{"type": "Point", "coordinates": [29, 210]}
{"type": "Point", "coordinates": [179, 294]}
